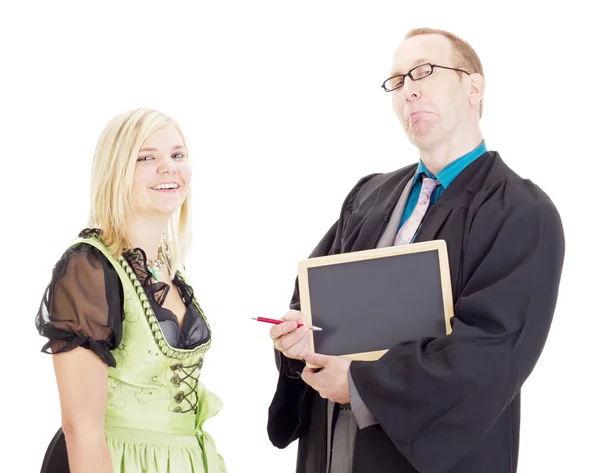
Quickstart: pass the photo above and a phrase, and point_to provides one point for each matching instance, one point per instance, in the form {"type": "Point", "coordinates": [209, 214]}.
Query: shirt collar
{"type": "Point", "coordinates": [447, 175]}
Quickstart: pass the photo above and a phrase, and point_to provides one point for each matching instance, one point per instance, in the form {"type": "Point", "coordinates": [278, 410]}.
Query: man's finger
{"type": "Point", "coordinates": [318, 360]}
{"type": "Point", "coordinates": [308, 376]}
{"type": "Point", "coordinates": [294, 351]}
{"type": "Point", "coordinates": [282, 329]}
{"type": "Point", "coordinates": [294, 315]}
{"type": "Point", "coordinates": [287, 341]}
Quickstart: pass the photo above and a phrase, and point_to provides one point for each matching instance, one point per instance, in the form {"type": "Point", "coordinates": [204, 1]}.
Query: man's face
{"type": "Point", "coordinates": [430, 109]}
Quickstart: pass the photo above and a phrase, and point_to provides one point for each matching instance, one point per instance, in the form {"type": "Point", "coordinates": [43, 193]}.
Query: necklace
{"type": "Point", "coordinates": [155, 266]}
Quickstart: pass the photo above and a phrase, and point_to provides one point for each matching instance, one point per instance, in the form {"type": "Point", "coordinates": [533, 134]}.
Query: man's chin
{"type": "Point", "coordinates": [420, 140]}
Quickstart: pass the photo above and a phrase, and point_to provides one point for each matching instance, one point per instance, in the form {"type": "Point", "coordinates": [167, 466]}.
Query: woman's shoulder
{"type": "Point", "coordinates": [82, 304]}
{"type": "Point", "coordinates": [84, 257]}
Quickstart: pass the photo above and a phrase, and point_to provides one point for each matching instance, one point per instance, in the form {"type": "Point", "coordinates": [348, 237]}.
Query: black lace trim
{"type": "Point", "coordinates": [138, 261]}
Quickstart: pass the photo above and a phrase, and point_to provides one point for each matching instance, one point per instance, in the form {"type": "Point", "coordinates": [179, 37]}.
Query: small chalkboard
{"type": "Point", "coordinates": [368, 301]}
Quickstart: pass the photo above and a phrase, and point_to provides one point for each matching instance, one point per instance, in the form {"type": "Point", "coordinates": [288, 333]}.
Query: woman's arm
{"type": "Point", "coordinates": [81, 316]}
{"type": "Point", "coordinates": [82, 381]}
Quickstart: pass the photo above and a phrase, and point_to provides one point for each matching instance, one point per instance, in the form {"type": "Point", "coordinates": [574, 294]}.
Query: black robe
{"type": "Point", "coordinates": [452, 404]}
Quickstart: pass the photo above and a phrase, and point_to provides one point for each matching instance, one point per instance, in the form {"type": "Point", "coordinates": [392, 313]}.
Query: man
{"type": "Point", "coordinates": [442, 405]}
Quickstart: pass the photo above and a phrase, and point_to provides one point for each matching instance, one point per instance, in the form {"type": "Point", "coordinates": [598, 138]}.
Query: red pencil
{"type": "Point", "coordinates": [277, 322]}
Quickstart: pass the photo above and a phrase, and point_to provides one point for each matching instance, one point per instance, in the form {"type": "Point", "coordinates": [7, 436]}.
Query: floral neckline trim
{"type": "Point", "coordinates": [147, 272]}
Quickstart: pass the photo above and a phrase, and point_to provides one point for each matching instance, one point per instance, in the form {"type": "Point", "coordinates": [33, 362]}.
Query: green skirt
{"type": "Point", "coordinates": [161, 443]}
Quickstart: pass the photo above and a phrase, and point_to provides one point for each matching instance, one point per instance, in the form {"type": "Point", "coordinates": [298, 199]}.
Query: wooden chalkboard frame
{"type": "Point", "coordinates": [435, 245]}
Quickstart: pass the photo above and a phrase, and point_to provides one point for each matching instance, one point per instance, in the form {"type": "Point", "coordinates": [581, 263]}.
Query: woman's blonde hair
{"type": "Point", "coordinates": [112, 182]}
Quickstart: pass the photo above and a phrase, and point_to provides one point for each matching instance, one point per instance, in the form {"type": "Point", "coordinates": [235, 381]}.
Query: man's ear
{"type": "Point", "coordinates": [476, 88]}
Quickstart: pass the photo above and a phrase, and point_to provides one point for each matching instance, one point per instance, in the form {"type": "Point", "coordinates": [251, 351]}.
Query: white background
{"type": "Point", "coordinates": [282, 106]}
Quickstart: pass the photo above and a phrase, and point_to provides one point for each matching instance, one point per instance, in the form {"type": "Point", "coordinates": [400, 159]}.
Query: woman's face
{"type": "Point", "coordinates": [162, 174]}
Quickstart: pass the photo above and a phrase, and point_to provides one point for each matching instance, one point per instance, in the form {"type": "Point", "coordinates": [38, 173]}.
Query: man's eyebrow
{"type": "Point", "coordinates": [416, 62]}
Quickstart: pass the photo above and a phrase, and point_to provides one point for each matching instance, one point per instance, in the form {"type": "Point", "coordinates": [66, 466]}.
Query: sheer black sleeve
{"type": "Point", "coordinates": [82, 305]}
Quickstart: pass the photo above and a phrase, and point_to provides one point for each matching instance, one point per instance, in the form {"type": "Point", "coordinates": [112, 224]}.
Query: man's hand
{"type": "Point", "coordinates": [331, 382]}
{"type": "Point", "coordinates": [290, 339]}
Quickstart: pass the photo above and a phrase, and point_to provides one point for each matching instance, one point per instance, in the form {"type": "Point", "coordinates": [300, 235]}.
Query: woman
{"type": "Point", "coordinates": [128, 337]}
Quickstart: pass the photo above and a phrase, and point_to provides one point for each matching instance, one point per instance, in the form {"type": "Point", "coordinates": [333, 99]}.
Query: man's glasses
{"type": "Point", "coordinates": [416, 73]}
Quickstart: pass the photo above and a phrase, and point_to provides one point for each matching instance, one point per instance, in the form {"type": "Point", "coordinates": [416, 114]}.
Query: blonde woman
{"type": "Point", "coordinates": [127, 335]}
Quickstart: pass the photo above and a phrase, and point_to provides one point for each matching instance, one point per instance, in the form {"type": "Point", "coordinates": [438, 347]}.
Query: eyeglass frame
{"type": "Point", "coordinates": [409, 74]}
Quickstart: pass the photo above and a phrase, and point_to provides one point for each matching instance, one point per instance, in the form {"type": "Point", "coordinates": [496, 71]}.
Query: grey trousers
{"type": "Point", "coordinates": [342, 445]}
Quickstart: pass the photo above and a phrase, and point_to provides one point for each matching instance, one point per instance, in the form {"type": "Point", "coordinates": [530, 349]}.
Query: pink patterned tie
{"type": "Point", "coordinates": [408, 230]}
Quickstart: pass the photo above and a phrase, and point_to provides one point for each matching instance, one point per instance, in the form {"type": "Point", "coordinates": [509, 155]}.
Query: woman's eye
{"type": "Point", "coordinates": [179, 156]}
{"type": "Point", "coordinates": [145, 158]}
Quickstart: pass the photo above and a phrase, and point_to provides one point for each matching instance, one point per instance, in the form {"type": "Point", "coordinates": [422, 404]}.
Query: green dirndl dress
{"type": "Point", "coordinates": [156, 405]}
